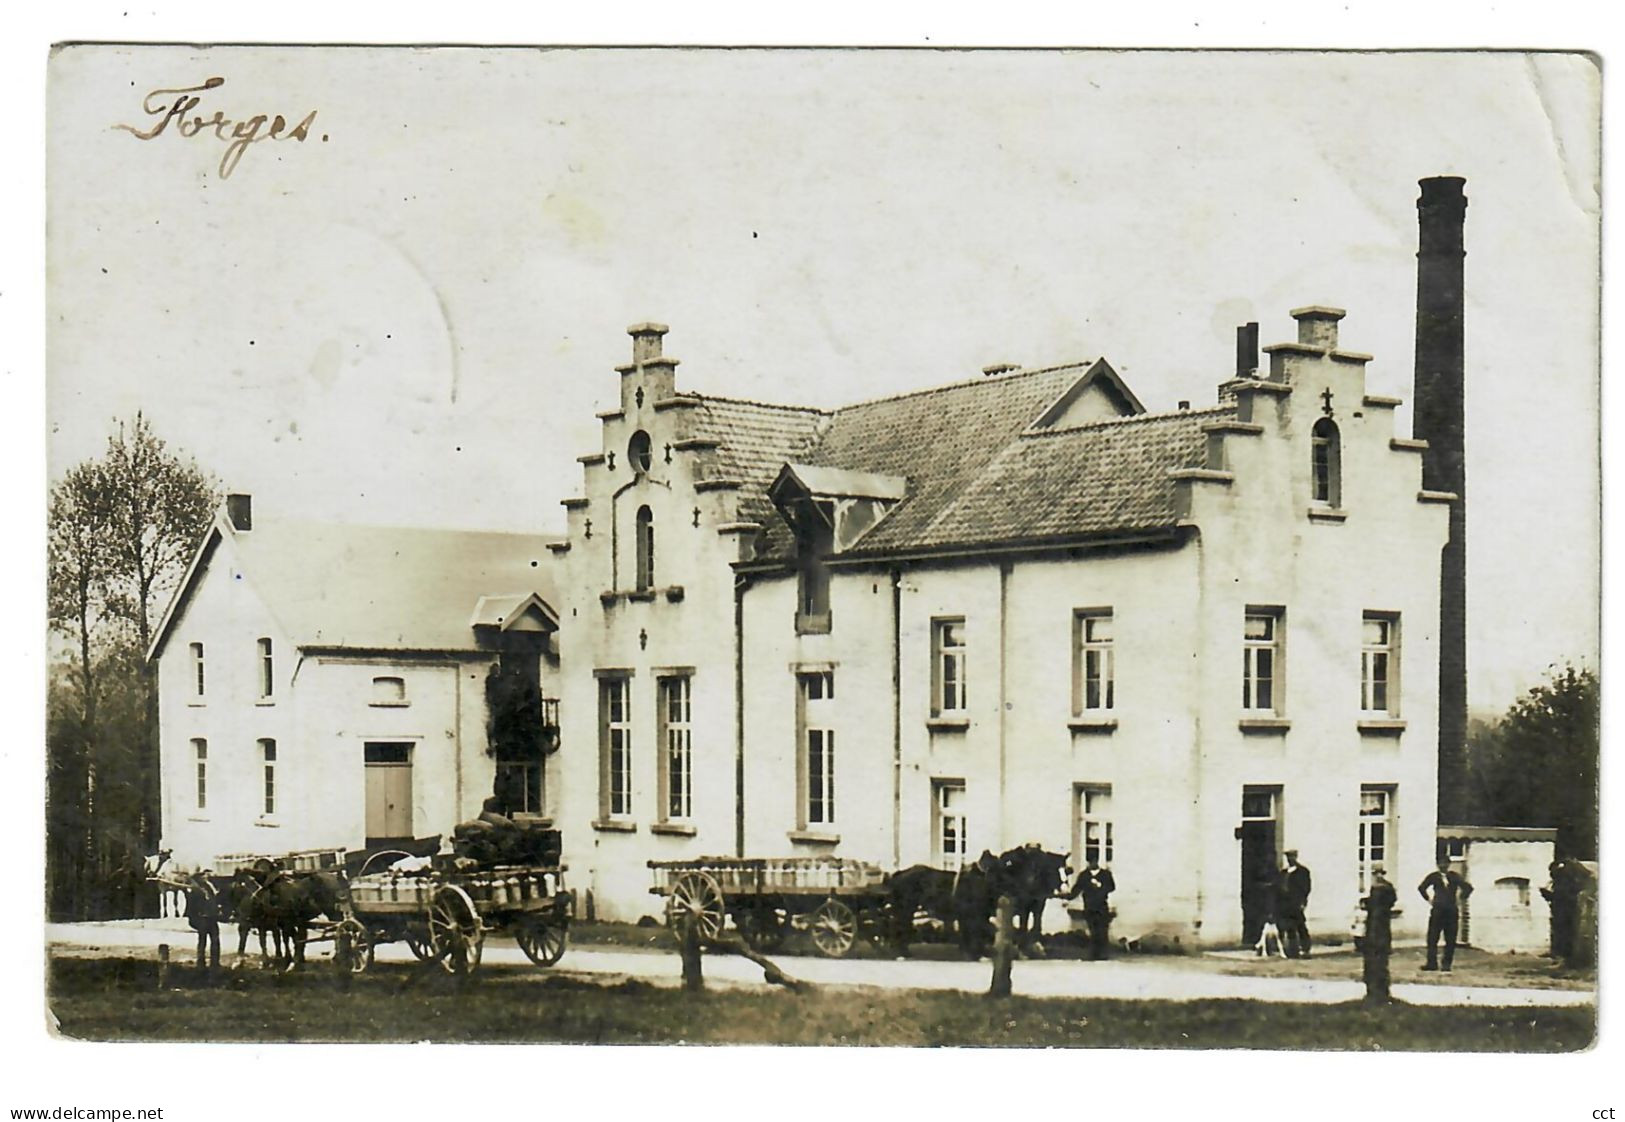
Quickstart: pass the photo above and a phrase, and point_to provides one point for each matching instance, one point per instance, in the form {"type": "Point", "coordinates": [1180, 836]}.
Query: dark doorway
{"type": "Point", "coordinates": [1260, 858]}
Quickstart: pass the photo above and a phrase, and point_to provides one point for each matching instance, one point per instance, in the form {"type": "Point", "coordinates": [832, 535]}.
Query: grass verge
{"type": "Point", "coordinates": [118, 999]}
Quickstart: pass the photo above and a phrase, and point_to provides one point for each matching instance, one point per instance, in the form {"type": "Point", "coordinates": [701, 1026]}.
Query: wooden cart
{"type": "Point", "coordinates": [445, 917]}
{"type": "Point", "coordinates": [835, 899]}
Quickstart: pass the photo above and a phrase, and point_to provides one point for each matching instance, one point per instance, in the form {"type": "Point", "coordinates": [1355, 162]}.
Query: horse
{"type": "Point", "coordinates": [961, 900]}
{"type": "Point", "coordinates": [285, 904]}
{"type": "Point", "coordinates": [1030, 876]}
{"type": "Point", "coordinates": [250, 906]}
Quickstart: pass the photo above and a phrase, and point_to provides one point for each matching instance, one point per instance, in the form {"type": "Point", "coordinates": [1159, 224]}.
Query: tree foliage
{"type": "Point", "coordinates": [1537, 766]}
{"type": "Point", "coordinates": [121, 529]}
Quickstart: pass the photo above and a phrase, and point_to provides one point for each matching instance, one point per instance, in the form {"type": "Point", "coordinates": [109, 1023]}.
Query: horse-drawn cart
{"type": "Point", "coordinates": [445, 916]}
{"type": "Point", "coordinates": [835, 899]}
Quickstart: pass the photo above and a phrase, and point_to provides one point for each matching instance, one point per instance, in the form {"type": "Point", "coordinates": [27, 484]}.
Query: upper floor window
{"type": "Point", "coordinates": [677, 748]}
{"type": "Point", "coordinates": [389, 689]}
{"type": "Point", "coordinates": [1379, 663]}
{"type": "Point", "coordinates": [1261, 660]}
{"type": "Point", "coordinates": [1094, 684]}
{"type": "Point", "coordinates": [197, 669]}
{"type": "Point", "coordinates": [646, 549]}
{"type": "Point", "coordinates": [816, 748]}
{"type": "Point", "coordinates": [267, 668]}
{"type": "Point", "coordinates": [1325, 463]}
{"type": "Point", "coordinates": [268, 762]}
{"type": "Point", "coordinates": [615, 746]}
{"type": "Point", "coordinates": [948, 665]}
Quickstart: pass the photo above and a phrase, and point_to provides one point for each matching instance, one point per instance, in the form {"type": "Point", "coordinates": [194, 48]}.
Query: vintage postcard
{"type": "Point", "coordinates": [1116, 565]}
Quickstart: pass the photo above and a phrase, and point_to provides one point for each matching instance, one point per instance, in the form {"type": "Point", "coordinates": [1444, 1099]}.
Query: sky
{"type": "Point", "coordinates": [411, 316]}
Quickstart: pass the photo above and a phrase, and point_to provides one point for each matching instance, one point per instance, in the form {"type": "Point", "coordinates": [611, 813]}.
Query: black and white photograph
{"type": "Point", "coordinates": [846, 548]}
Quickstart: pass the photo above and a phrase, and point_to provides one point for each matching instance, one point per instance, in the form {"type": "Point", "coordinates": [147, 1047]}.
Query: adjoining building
{"type": "Point", "coordinates": [326, 687]}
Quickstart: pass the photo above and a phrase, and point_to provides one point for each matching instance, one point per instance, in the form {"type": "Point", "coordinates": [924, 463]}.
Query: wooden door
{"type": "Point", "coordinates": [389, 792]}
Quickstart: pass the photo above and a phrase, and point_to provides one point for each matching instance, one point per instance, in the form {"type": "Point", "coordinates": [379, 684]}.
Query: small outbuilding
{"type": "Point", "coordinates": [1507, 867]}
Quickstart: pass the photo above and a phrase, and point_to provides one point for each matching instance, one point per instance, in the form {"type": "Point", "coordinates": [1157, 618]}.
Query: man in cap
{"type": "Point", "coordinates": [1293, 899]}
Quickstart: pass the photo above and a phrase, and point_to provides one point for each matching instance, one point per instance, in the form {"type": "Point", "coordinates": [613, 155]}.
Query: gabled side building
{"type": "Point", "coordinates": [1015, 608]}
{"type": "Point", "coordinates": [333, 686]}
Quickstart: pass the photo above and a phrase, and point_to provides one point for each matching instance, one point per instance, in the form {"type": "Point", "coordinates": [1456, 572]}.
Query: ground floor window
{"type": "Point", "coordinates": [268, 762]}
{"type": "Point", "coordinates": [200, 753]}
{"type": "Point", "coordinates": [949, 847]}
{"type": "Point", "coordinates": [677, 745]}
{"type": "Point", "coordinates": [615, 746]}
{"type": "Point", "coordinates": [1092, 824]}
{"type": "Point", "coordinates": [518, 786]}
{"type": "Point", "coordinates": [816, 747]}
{"type": "Point", "coordinates": [1376, 831]}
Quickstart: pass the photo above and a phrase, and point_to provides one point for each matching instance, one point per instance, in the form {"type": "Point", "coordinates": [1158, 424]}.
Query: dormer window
{"type": "Point", "coordinates": [1325, 465]}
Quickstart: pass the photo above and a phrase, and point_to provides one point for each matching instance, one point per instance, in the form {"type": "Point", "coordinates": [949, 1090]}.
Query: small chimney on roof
{"type": "Point", "coordinates": [240, 512]}
{"type": "Point", "coordinates": [1184, 407]}
{"type": "Point", "coordinates": [1317, 326]}
{"type": "Point", "coordinates": [997, 368]}
{"type": "Point", "coordinates": [646, 340]}
{"type": "Point", "coordinates": [1247, 350]}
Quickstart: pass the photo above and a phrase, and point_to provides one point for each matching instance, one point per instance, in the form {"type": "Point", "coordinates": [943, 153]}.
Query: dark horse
{"type": "Point", "coordinates": [284, 904]}
{"type": "Point", "coordinates": [1030, 876]}
{"type": "Point", "coordinates": [962, 900]}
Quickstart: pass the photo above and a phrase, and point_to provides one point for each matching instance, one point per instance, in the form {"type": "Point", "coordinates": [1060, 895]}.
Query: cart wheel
{"type": "Point", "coordinates": [763, 927]}
{"type": "Point", "coordinates": [697, 894]}
{"type": "Point", "coordinates": [542, 942]}
{"type": "Point", "coordinates": [352, 949]}
{"type": "Point", "coordinates": [455, 932]}
{"type": "Point", "coordinates": [834, 928]}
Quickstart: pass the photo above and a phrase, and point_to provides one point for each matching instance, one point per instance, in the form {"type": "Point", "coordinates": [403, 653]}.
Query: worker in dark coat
{"type": "Point", "coordinates": [1446, 892]}
{"type": "Point", "coordinates": [204, 909]}
{"type": "Point", "coordinates": [1563, 895]}
{"type": "Point", "coordinates": [1292, 900]}
{"type": "Point", "coordinates": [1378, 942]}
{"type": "Point", "coordinates": [1095, 884]}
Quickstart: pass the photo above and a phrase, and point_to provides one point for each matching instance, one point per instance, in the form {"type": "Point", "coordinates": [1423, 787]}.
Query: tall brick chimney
{"type": "Point", "coordinates": [1439, 419]}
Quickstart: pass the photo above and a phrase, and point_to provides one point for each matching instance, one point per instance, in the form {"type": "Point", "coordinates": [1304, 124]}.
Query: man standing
{"type": "Point", "coordinates": [1293, 900]}
{"type": "Point", "coordinates": [1095, 884]}
{"type": "Point", "coordinates": [203, 910]}
{"type": "Point", "coordinates": [1446, 892]}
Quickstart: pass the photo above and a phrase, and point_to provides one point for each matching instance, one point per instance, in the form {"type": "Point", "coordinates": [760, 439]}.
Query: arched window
{"type": "Point", "coordinates": [1325, 464]}
{"type": "Point", "coordinates": [637, 452]}
{"type": "Point", "coordinates": [646, 549]}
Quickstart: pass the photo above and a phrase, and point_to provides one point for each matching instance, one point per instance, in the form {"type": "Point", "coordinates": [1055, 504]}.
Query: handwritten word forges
{"type": "Point", "coordinates": [236, 135]}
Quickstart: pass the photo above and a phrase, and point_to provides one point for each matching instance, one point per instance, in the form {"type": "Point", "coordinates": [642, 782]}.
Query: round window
{"type": "Point", "coordinates": [637, 451]}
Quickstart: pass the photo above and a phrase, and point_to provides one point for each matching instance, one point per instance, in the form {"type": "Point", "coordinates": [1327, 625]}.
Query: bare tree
{"type": "Point", "coordinates": [122, 529]}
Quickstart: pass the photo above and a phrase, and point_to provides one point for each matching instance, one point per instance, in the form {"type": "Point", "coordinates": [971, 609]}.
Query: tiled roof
{"type": "Point", "coordinates": [386, 588]}
{"type": "Point", "coordinates": [754, 440]}
{"type": "Point", "coordinates": [1107, 477]}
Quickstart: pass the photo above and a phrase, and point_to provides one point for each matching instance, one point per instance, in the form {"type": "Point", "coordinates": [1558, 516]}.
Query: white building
{"type": "Point", "coordinates": [325, 687]}
{"type": "Point", "coordinates": [1015, 608]}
